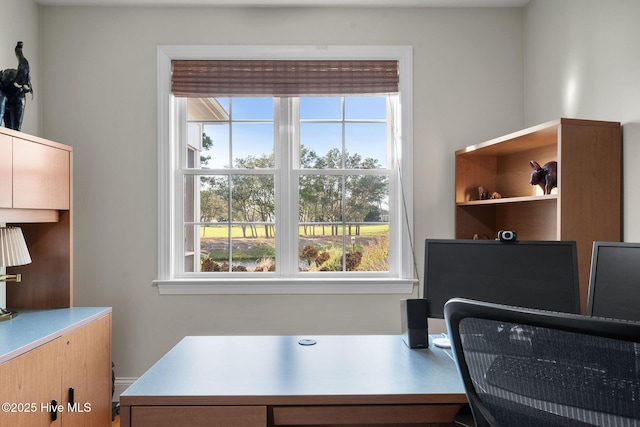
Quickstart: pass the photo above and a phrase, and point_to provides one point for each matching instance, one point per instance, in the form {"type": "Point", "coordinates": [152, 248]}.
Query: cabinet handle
{"type": "Point", "coordinates": [54, 413]}
{"type": "Point", "coordinates": [71, 395]}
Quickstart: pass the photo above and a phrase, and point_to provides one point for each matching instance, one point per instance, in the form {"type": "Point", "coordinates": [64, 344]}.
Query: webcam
{"type": "Point", "coordinates": [507, 235]}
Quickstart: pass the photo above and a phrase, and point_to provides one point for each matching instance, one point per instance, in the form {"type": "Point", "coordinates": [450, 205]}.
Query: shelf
{"type": "Point", "coordinates": [527, 139]}
{"type": "Point", "coordinates": [28, 215]}
{"type": "Point", "coordinates": [534, 137]}
{"type": "Point", "coordinates": [507, 200]}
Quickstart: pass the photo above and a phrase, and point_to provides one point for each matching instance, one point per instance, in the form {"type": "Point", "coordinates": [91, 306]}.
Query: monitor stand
{"type": "Point", "coordinates": [442, 342]}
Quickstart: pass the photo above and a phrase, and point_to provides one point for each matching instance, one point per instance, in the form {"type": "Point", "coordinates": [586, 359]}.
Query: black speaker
{"type": "Point", "coordinates": [415, 331]}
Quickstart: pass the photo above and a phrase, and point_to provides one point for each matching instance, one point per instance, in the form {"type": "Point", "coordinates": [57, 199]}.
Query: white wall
{"type": "Point", "coordinates": [19, 22]}
{"type": "Point", "coordinates": [99, 96]}
{"type": "Point", "coordinates": [582, 60]}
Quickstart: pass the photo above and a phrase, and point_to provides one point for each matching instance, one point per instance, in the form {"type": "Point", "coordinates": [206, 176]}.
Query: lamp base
{"type": "Point", "coordinates": [7, 314]}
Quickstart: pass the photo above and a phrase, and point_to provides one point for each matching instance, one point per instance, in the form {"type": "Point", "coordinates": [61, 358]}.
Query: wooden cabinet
{"type": "Point", "coordinates": [41, 176]}
{"type": "Point", "coordinates": [36, 195]}
{"type": "Point", "coordinates": [585, 207]}
{"type": "Point", "coordinates": [71, 372]}
{"type": "Point", "coordinates": [36, 173]}
{"type": "Point", "coordinates": [86, 375]}
{"type": "Point", "coordinates": [30, 383]}
{"type": "Point", "coordinates": [6, 167]}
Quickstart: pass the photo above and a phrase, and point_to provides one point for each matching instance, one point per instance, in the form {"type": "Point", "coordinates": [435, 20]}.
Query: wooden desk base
{"type": "Point", "coordinates": [392, 415]}
{"type": "Point", "coordinates": [272, 381]}
{"type": "Point", "coordinates": [261, 416]}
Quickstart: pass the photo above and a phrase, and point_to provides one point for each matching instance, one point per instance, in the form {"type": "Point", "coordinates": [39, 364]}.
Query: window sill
{"type": "Point", "coordinates": [281, 286]}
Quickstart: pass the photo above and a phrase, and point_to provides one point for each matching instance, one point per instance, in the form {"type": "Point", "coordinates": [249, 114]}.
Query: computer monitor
{"type": "Point", "coordinates": [534, 274]}
{"type": "Point", "coordinates": [614, 282]}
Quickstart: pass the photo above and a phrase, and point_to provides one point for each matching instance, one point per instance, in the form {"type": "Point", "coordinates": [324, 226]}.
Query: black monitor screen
{"type": "Point", "coordinates": [614, 283]}
{"type": "Point", "coordinates": [535, 274]}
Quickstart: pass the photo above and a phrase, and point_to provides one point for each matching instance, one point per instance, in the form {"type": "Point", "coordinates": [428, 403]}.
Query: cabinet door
{"type": "Point", "coordinates": [199, 416]}
{"type": "Point", "coordinates": [40, 176]}
{"type": "Point", "coordinates": [5, 172]}
{"type": "Point", "coordinates": [29, 384]}
{"type": "Point", "coordinates": [86, 375]}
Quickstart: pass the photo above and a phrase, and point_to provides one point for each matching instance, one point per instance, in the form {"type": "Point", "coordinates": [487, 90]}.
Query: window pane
{"type": "Point", "coordinates": [247, 245]}
{"type": "Point", "coordinates": [364, 247]}
{"type": "Point", "coordinates": [240, 237]}
{"type": "Point", "coordinates": [194, 139]}
{"type": "Point", "coordinates": [365, 107]}
{"type": "Point", "coordinates": [373, 243]}
{"type": "Point", "coordinates": [191, 253]}
{"type": "Point", "coordinates": [315, 108]}
{"type": "Point", "coordinates": [190, 198]}
{"type": "Point", "coordinates": [252, 145]}
{"type": "Point", "coordinates": [224, 103]}
{"type": "Point", "coordinates": [214, 247]}
{"type": "Point", "coordinates": [361, 242]}
{"type": "Point", "coordinates": [215, 146]}
{"type": "Point", "coordinates": [323, 144]}
{"type": "Point", "coordinates": [320, 229]}
{"type": "Point", "coordinates": [367, 198]}
{"type": "Point", "coordinates": [252, 109]}
{"type": "Point", "coordinates": [367, 222]}
{"type": "Point", "coordinates": [320, 248]}
{"type": "Point", "coordinates": [320, 198]}
{"type": "Point", "coordinates": [253, 207]}
{"type": "Point", "coordinates": [253, 248]}
{"type": "Point", "coordinates": [366, 145]}
{"type": "Point", "coordinates": [212, 199]}
{"type": "Point", "coordinates": [253, 198]}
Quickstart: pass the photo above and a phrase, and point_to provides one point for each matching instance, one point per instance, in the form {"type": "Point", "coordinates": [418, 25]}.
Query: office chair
{"type": "Point", "coordinates": [526, 367]}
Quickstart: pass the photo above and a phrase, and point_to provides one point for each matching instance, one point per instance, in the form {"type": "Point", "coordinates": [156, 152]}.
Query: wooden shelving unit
{"type": "Point", "coordinates": [66, 354]}
{"type": "Point", "coordinates": [585, 207]}
{"type": "Point", "coordinates": [36, 195]}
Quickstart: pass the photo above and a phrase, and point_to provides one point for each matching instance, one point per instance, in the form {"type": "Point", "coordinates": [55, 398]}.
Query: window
{"type": "Point", "coordinates": [283, 192]}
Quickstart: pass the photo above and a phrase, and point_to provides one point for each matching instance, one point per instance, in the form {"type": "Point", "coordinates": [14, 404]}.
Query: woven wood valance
{"type": "Point", "coordinates": [219, 78]}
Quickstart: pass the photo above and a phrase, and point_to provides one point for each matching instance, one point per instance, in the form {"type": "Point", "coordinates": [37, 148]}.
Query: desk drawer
{"type": "Point", "coordinates": [199, 416]}
{"type": "Point", "coordinates": [363, 414]}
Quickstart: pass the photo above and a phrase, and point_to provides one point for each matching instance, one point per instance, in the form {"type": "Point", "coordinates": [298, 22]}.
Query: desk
{"type": "Point", "coordinates": [273, 380]}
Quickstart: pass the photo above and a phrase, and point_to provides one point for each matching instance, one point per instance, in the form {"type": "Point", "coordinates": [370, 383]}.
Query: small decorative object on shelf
{"type": "Point", "coordinates": [480, 236]}
{"type": "Point", "coordinates": [483, 193]}
{"type": "Point", "coordinates": [14, 85]}
{"type": "Point", "coordinates": [546, 176]}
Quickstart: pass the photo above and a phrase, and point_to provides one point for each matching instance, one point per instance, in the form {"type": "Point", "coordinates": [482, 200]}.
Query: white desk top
{"type": "Point", "coordinates": [32, 328]}
{"type": "Point", "coordinates": [269, 369]}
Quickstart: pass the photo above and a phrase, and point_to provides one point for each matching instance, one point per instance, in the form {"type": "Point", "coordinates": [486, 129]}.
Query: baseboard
{"type": "Point", "coordinates": [120, 385]}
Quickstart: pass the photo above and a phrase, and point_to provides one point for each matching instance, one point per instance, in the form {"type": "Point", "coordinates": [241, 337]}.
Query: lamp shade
{"type": "Point", "coordinates": [13, 248]}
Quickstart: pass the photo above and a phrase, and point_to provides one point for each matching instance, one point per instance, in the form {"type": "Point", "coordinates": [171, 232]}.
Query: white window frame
{"type": "Point", "coordinates": [170, 157]}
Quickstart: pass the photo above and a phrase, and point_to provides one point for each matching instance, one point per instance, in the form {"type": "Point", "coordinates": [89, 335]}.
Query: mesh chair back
{"type": "Point", "coordinates": [534, 368]}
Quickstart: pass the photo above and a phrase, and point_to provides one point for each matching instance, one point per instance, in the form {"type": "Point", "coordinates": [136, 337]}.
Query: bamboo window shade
{"type": "Point", "coordinates": [221, 78]}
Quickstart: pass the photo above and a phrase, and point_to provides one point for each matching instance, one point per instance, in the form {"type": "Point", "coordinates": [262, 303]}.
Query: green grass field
{"type": "Point", "coordinates": [221, 231]}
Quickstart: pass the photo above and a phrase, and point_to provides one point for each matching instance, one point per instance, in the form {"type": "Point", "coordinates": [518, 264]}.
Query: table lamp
{"type": "Point", "coordinates": [13, 252]}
